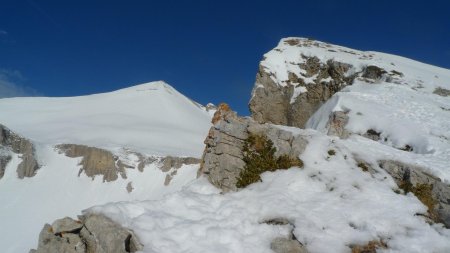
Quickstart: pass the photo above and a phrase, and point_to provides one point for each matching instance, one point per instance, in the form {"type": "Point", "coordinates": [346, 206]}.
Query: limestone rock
{"type": "Point", "coordinates": [285, 245]}
{"type": "Point", "coordinates": [336, 124]}
{"type": "Point", "coordinates": [281, 105]}
{"type": "Point", "coordinates": [402, 172]}
{"type": "Point", "coordinates": [95, 161]}
{"type": "Point", "coordinates": [66, 224]}
{"type": "Point", "coordinates": [170, 162]}
{"type": "Point", "coordinates": [222, 159]}
{"type": "Point", "coordinates": [102, 235]}
{"type": "Point", "coordinates": [101, 162]}
{"type": "Point", "coordinates": [373, 72]}
{"type": "Point", "coordinates": [12, 142]}
{"type": "Point", "coordinates": [94, 234]}
{"type": "Point", "coordinates": [291, 83]}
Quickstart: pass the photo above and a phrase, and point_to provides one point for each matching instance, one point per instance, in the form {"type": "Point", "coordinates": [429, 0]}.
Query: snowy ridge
{"type": "Point", "coordinates": [290, 53]}
{"type": "Point", "coordinates": [151, 118]}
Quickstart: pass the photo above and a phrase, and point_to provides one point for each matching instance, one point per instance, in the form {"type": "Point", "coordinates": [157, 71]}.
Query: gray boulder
{"type": "Point", "coordinates": [95, 233]}
{"type": "Point", "coordinates": [12, 142]}
{"type": "Point", "coordinates": [222, 160]}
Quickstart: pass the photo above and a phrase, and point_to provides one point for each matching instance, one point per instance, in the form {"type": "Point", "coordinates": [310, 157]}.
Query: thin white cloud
{"type": "Point", "coordinates": [3, 32]}
{"type": "Point", "coordinates": [10, 85]}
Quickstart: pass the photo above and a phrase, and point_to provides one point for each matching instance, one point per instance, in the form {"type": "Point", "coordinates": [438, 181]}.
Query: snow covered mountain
{"type": "Point", "coordinates": [359, 143]}
{"type": "Point", "coordinates": [138, 126]}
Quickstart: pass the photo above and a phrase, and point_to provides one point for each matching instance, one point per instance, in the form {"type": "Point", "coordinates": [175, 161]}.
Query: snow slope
{"type": "Point", "coordinates": [152, 119]}
{"type": "Point", "coordinates": [332, 203]}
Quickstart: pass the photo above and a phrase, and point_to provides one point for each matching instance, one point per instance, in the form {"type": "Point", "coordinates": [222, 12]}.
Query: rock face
{"type": "Point", "coordinates": [96, 161]}
{"type": "Point", "coordinates": [93, 234]}
{"type": "Point", "coordinates": [291, 84]}
{"type": "Point", "coordinates": [222, 159]}
{"type": "Point", "coordinates": [409, 174]}
{"type": "Point", "coordinates": [12, 142]}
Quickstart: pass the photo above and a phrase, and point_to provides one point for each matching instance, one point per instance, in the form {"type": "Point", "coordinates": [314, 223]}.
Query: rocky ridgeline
{"type": "Point", "coordinates": [11, 142]}
{"type": "Point", "coordinates": [222, 159]}
{"type": "Point", "coordinates": [93, 233]}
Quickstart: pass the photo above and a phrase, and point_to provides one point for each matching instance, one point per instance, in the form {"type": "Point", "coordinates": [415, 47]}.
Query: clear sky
{"type": "Point", "coordinates": [208, 50]}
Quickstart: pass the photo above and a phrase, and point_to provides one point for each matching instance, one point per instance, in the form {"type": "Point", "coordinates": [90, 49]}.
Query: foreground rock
{"type": "Point", "coordinates": [12, 142]}
{"type": "Point", "coordinates": [94, 233]}
{"type": "Point", "coordinates": [222, 159]}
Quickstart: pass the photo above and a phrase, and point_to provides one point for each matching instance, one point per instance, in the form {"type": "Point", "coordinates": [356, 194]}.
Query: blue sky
{"type": "Point", "coordinates": [208, 50]}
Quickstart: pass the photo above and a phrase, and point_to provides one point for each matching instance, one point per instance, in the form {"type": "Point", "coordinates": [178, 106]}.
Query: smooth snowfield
{"type": "Point", "coordinates": [332, 203]}
{"type": "Point", "coordinates": [151, 118]}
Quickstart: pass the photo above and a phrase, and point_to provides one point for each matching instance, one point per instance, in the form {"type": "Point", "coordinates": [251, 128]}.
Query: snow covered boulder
{"type": "Point", "coordinates": [12, 142]}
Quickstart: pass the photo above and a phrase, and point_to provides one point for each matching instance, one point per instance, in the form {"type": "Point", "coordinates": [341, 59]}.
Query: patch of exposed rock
{"type": "Point", "coordinates": [413, 175]}
{"type": "Point", "coordinates": [277, 104]}
{"type": "Point", "coordinates": [12, 142]}
{"type": "Point", "coordinates": [336, 124]}
{"type": "Point", "coordinates": [94, 233]}
{"type": "Point", "coordinates": [96, 161]}
{"type": "Point", "coordinates": [442, 92]}
{"type": "Point", "coordinates": [101, 162]}
{"type": "Point", "coordinates": [283, 244]}
{"type": "Point", "coordinates": [222, 160]}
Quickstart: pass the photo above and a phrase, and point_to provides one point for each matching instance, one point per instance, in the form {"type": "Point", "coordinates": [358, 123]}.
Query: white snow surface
{"type": "Point", "coordinates": [331, 202]}
{"type": "Point", "coordinates": [151, 118]}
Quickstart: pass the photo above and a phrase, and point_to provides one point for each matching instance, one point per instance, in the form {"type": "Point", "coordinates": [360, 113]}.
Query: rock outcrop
{"type": "Point", "coordinates": [406, 174]}
{"type": "Point", "coordinates": [12, 142]}
{"type": "Point", "coordinates": [96, 161]}
{"type": "Point", "coordinates": [288, 91]}
{"type": "Point", "coordinates": [101, 162]}
{"type": "Point", "coordinates": [93, 233]}
{"type": "Point", "coordinates": [222, 159]}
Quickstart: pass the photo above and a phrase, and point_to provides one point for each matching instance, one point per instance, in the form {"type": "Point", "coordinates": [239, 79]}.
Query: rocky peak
{"type": "Point", "coordinates": [299, 75]}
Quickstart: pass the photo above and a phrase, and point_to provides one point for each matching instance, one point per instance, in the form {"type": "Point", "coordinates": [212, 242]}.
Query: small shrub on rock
{"type": "Point", "coordinates": [259, 157]}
